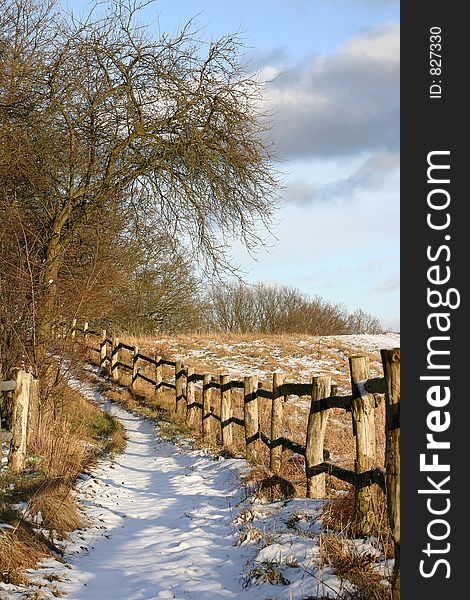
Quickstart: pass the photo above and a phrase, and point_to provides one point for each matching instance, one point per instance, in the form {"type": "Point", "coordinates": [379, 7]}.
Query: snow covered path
{"type": "Point", "coordinates": [165, 514]}
{"type": "Point", "coordinates": [164, 522]}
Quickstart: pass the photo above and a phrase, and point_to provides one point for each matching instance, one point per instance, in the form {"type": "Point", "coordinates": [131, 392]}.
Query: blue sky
{"type": "Point", "coordinates": [333, 67]}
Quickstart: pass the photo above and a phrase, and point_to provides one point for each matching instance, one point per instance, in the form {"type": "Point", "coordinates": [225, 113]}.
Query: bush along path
{"type": "Point", "coordinates": [167, 521]}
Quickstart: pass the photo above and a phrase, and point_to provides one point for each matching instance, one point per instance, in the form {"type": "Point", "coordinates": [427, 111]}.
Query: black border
{"type": "Point", "coordinates": [429, 124]}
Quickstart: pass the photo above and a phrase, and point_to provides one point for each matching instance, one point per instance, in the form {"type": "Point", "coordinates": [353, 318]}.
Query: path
{"type": "Point", "coordinates": [165, 514]}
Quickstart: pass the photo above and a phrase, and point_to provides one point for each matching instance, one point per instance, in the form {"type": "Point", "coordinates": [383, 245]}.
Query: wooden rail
{"type": "Point", "coordinates": [196, 404]}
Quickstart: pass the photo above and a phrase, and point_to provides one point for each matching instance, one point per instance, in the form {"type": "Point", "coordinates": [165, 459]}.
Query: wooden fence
{"type": "Point", "coordinates": [199, 410]}
{"type": "Point", "coordinates": [24, 392]}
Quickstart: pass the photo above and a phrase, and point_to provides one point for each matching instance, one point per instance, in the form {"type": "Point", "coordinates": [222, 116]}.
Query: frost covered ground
{"type": "Point", "coordinates": [299, 357]}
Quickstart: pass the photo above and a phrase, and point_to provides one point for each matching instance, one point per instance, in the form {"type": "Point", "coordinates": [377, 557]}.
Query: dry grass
{"type": "Point", "coordinates": [338, 516]}
{"type": "Point", "coordinates": [264, 484]}
{"type": "Point", "coordinates": [57, 508]}
{"type": "Point", "coordinates": [20, 549]}
{"type": "Point", "coordinates": [359, 569]}
{"type": "Point", "coordinates": [70, 435]}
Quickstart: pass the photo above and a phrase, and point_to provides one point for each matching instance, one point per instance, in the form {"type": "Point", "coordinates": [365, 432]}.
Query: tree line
{"type": "Point", "coordinates": [278, 309]}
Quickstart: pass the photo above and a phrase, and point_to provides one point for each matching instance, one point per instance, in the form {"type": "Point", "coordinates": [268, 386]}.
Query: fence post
{"type": "Point", "coordinates": [19, 426]}
{"type": "Point", "coordinates": [277, 412]}
{"type": "Point", "coordinates": [85, 333]}
{"type": "Point", "coordinates": [207, 430]}
{"type": "Point", "coordinates": [316, 427]}
{"type": "Point", "coordinates": [179, 373]}
{"type": "Point", "coordinates": [250, 406]}
{"type": "Point", "coordinates": [158, 376]}
{"type": "Point", "coordinates": [103, 349]}
{"type": "Point", "coordinates": [226, 426]}
{"type": "Point", "coordinates": [391, 366]}
{"type": "Point", "coordinates": [363, 416]}
{"type": "Point", "coordinates": [34, 410]}
{"type": "Point", "coordinates": [115, 358]}
{"type": "Point", "coordinates": [135, 372]}
{"type": "Point", "coordinates": [190, 397]}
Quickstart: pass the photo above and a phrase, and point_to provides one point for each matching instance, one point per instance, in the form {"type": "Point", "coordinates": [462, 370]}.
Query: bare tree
{"type": "Point", "coordinates": [98, 115]}
{"type": "Point", "coordinates": [241, 308]}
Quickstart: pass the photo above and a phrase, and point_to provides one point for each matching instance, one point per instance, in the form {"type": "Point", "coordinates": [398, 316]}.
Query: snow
{"type": "Point", "coordinates": [168, 521]}
{"type": "Point", "coordinates": [300, 358]}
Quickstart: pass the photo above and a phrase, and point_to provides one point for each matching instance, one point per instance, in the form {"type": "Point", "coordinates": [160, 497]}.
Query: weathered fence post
{"type": "Point", "coordinates": [277, 412]}
{"type": "Point", "coordinates": [115, 358]}
{"type": "Point", "coordinates": [226, 426]}
{"type": "Point", "coordinates": [135, 372]}
{"type": "Point", "coordinates": [190, 396]}
{"type": "Point", "coordinates": [85, 333]}
{"type": "Point", "coordinates": [363, 417]}
{"type": "Point", "coordinates": [19, 426]}
{"type": "Point", "coordinates": [103, 349]}
{"type": "Point", "coordinates": [316, 428]}
{"type": "Point", "coordinates": [391, 366]}
{"type": "Point", "coordinates": [158, 376]}
{"type": "Point", "coordinates": [207, 421]}
{"type": "Point", "coordinates": [251, 418]}
{"type": "Point", "coordinates": [179, 374]}
{"type": "Point", "coordinates": [34, 410]}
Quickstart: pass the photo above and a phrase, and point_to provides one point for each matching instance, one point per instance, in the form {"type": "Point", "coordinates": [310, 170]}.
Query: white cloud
{"type": "Point", "coordinates": [343, 103]}
{"type": "Point", "coordinates": [380, 45]}
{"type": "Point", "coordinates": [376, 172]}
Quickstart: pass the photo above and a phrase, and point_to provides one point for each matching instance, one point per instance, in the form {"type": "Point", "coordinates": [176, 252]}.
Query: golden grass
{"type": "Point", "coordinates": [338, 516]}
{"type": "Point", "coordinates": [20, 549]}
{"type": "Point", "coordinates": [70, 435]}
{"type": "Point", "coordinates": [357, 568]}
{"type": "Point", "coordinates": [265, 485]}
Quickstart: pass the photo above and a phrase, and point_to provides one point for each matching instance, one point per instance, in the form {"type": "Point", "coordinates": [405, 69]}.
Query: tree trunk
{"type": "Point", "coordinates": [48, 282]}
{"type": "Point", "coordinates": [47, 300]}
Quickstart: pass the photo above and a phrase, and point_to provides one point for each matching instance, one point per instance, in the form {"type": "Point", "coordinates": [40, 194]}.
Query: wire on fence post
{"type": "Point", "coordinates": [115, 358]}
{"type": "Point", "coordinates": [103, 349]}
{"type": "Point", "coordinates": [226, 426]}
{"type": "Point", "coordinates": [207, 424]}
{"type": "Point", "coordinates": [179, 408]}
{"type": "Point", "coordinates": [158, 376]}
{"type": "Point", "coordinates": [135, 372]}
{"type": "Point", "coordinates": [190, 397]}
